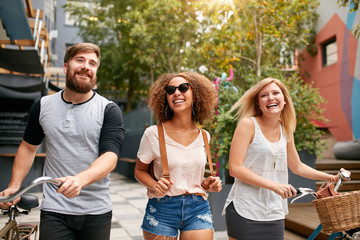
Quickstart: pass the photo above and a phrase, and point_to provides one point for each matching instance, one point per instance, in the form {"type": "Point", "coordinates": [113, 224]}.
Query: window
{"type": "Point", "coordinates": [329, 52]}
{"type": "Point", "coordinates": [69, 20]}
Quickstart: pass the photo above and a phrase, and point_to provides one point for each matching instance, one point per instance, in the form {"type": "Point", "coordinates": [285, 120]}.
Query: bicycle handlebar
{"type": "Point", "coordinates": [301, 192]}
{"type": "Point", "coordinates": [35, 182]}
{"type": "Point", "coordinates": [344, 177]}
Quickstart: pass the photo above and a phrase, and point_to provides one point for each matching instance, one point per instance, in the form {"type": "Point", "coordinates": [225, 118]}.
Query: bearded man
{"type": "Point", "coordinates": [83, 134]}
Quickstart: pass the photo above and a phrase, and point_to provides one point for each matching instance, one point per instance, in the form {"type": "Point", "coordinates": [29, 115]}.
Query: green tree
{"type": "Point", "coordinates": [139, 40]}
{"type": "Point", "coordinates": [258, 39]}
{"type": "Point", "coordinates": [257, 33]}
{"type": "Point", "coordinates": [105, 23]}
{"type": "Point", "coordinates": [142, 39]}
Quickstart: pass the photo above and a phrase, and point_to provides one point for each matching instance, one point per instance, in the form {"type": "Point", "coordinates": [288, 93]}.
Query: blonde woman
{"type": "Point", "coordinates": [180, 102]}
{"type": "Point", "coordinates": [262, 149]}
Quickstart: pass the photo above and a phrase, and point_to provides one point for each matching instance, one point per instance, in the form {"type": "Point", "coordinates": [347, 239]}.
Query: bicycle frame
{"type": "Point", "coordinates": [10, 230]}
{"type": "Point", "coordinates": [318, 230]}
{"type": "Point", "coordinates": [343, 178]}
{"type": "Point", "coordinates": [13, 231]}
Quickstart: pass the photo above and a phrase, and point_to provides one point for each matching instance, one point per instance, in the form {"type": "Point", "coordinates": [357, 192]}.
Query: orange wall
{"type": "Point", "coordinates": [335, 80]}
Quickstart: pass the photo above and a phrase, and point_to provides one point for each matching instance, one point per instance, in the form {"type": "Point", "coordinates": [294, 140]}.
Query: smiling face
{"type": "Point", "coordinates": [271, 99]}
{"type": "Point", "coordinates": [81, 72]}
{"type": "Point", "coordinates": [180, 102]}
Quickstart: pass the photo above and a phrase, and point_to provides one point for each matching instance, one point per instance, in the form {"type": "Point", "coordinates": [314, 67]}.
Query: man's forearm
{"type": "Point", "coordinates": [23, 161]}
{"type": "Point", "coordinates": [99, 169]}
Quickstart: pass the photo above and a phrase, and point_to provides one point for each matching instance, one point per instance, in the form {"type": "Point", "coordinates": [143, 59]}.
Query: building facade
{"type": "Point", "coordinates": [334, 68]}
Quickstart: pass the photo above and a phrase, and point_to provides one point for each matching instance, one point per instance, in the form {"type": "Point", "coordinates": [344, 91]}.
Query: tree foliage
{"type": "Point", "coordinates": [139, 40]}
{"type": "Point", "coordinates": [142, 39]}
{"type": "Point", "coordinates": [354, 7]}
{"type": "Point", "coordinates": [306, 101]}
{"type": "Point", "coordinates": [255, 32]}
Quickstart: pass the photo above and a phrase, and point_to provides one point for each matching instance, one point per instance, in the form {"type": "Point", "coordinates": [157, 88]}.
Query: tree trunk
{"type": "Point", "coordinates": [258, 46]}
{"type": "Point", "coordinates": [129, 95]}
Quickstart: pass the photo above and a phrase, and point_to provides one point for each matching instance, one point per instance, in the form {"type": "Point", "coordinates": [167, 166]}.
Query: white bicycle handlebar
{"type": "Point", "coordinates": [34, 183]}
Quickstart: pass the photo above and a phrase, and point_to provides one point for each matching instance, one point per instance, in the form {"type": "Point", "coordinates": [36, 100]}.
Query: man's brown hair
{"type": "Point", "coordinates": [81, 47]}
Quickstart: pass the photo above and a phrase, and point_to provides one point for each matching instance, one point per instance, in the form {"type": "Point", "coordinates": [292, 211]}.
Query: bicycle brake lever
{"type": "Point", "coordinates": [302, 192]}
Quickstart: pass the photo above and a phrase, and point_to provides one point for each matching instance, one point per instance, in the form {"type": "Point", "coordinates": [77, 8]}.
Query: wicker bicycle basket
{"type": "Point", "coordinates": [339, 213]}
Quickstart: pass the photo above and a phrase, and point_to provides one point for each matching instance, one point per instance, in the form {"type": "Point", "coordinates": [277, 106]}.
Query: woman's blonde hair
{"type": "Point", "coordinates": [248, 105]}
{"type": "Point", "coordinates": [204, 97]}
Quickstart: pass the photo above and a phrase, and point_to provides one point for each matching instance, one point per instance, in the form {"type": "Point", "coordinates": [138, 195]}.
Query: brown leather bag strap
{"type": "Point", "coordinates": [163, 155]}
{"type": "Point", "coordinates": [208, 154]}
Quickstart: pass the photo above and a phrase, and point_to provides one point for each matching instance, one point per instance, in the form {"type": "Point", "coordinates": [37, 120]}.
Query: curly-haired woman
{"type": "Point", "coordinates": [180, 101]}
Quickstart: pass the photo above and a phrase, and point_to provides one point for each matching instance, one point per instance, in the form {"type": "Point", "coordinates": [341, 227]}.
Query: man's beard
{"type": "Point", "coordinates": [79, 86]}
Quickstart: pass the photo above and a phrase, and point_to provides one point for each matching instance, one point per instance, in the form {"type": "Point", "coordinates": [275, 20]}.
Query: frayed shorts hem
{"type": "Point", "coordinates": [169, 216]}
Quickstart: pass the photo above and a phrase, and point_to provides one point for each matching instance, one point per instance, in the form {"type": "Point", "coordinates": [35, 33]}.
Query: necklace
{"type": "Point", "coordinates": [275, 148]}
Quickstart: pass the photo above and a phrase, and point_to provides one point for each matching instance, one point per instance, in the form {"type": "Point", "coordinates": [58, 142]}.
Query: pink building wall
{"type": "Point", "coordinates": [337, 83]}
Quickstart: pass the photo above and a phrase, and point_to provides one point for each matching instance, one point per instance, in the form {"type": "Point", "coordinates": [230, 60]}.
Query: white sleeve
{"type": "Point", "coordinates": [147, 146]}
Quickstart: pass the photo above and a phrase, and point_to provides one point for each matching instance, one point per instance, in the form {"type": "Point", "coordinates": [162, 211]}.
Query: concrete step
{"type": "Point", "coordinates": [335, 164]}
{"type": "Point", "coordinates": [332, 166]}
{"type": "Point", "coordinates": [355, 174]}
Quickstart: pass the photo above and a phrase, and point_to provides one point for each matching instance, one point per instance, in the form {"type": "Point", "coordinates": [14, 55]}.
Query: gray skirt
{"type": "Point", "coordinates": [240, 228]}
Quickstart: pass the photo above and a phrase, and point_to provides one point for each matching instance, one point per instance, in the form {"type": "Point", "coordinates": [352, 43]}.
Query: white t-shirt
{"type": "Point", "coordinates": [186, 163]}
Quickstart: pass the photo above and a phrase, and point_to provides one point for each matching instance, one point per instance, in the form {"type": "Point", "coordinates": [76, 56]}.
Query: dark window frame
{"type": "Point", "coordinates": [325, 54]}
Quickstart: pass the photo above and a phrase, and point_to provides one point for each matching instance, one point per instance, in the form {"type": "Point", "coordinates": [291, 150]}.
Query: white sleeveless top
{"type": "Point", "coordinates": [256, 203]}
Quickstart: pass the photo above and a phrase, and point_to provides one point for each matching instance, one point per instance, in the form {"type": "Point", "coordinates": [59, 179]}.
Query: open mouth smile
{"type": "Point", "coordinates": [272, 105]}
{"type": "Point", "coordinates": [178, 101]}
{"type": "Point", "coordinates": [84, 75]}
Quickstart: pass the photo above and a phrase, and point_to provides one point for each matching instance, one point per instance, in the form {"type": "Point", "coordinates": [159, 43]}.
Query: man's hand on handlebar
{"type": "Point", "coordinates": [11, 195]}
{"type": "Point", "coordinates": [7, 192]}
{"type": "Point", "coordinates": [70, 187]}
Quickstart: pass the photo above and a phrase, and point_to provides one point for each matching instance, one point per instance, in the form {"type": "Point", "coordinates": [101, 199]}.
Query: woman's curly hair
{"type": "Point", "coordinates": [204, 97]}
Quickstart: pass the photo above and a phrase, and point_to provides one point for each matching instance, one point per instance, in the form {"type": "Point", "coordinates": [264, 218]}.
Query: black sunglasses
{"type": "Point", "coordinates": [170, 90]}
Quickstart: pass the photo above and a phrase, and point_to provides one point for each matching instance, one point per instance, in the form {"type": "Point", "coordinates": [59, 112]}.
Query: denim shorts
{"type": "Point", "coordinates": [168, 215]}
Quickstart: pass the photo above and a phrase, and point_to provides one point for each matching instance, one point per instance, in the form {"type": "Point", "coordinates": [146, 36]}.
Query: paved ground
{"type": "Point", "coordinates": [129, 201]}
